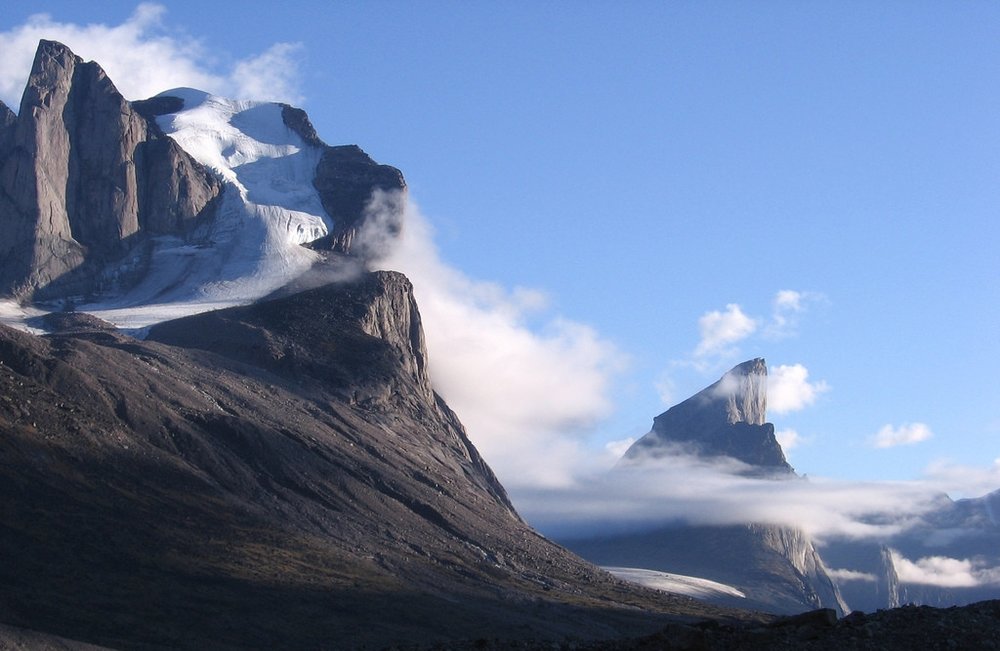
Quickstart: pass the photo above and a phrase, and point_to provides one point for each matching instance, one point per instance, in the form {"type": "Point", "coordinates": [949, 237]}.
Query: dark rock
{"type": "Point", "coordinates": [63, 322]}
{"type": "Point", "coordinates": [822, 617]}
{"type": "Point", "coordinates": [725, 419]}
{"type": "Point", "coordinates": [7, 121]}
{"type": "Point", "coordinates": [159, 105]}
{"type": "Point", "coordinates": [348, 180]}
{"type": "Point", "coordinates": [278, 475]}
{"type": "Point", "coordinates": [297, 120]}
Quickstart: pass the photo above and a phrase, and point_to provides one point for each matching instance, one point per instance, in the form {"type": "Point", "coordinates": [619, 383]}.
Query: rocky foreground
{"type": "Point", "coordinates": [976, 626]}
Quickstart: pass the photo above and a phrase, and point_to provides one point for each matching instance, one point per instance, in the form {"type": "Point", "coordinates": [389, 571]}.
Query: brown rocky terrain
{"type": "Point", "coordinates": [274, 476]}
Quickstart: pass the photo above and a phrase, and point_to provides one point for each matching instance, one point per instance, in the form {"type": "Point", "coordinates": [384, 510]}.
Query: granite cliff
{"type": "Point", "coordinates": [726, 419]}
{"type": "Point", "coordinates": [98, 196]}
{"type": "Point", "coordinates": [777, 567]}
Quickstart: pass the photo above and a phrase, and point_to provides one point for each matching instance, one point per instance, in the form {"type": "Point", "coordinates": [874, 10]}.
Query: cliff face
{"type": "Point", "coordinates": [279, 475]}
{"type": "Point", "coordinates": [778, 568]}
{"type": "Point", "coordinates": [84, 179]}
{"type": "Point", "coordinates": [725, 419]}
{"type": "Point", "coordinates": [96, 195]}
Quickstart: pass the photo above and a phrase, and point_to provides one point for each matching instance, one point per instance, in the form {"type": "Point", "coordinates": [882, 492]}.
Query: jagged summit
{"type": "Point", "coordinates": [186, 201]}
{"type": "Point", "coordinates": [727, 418]}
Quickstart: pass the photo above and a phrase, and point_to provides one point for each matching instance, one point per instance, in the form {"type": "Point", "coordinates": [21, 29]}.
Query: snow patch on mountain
{"type": "Point", "coordinates": [267, 210]}
{"type": "Point", "coordinates": [691, 586]}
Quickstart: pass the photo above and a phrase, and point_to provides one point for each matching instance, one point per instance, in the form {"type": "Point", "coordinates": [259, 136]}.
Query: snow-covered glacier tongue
{"type": "Point", "coordinates": [268, 208]}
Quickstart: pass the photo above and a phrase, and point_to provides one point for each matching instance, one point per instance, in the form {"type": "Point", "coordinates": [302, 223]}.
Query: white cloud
{"type": "Point", "coordinates": [271, 75]}
{"type": "Point", "coordinates": [787, 300]}
{"type": "Point", "coordinates": [944, 572]}
{"type": "Point", "coordinates": [906, 434]}
{"type": "Point", "coordinates": [789, 389]}
{"type": "Point", "coordinates": [850, 575]}
{"type": "Point", "coordinates": [720, 330]}
{"type": "Point", "coordinates": [681, 488]}
{"type": "Point", "coordinates": [524, 394]}
{"type": "Point", "coordinates": [786, 307]}
{"type": "Point", "coordinates": [665, 388]}
{"type": "Point", "coordinates": [788, 439]}
{"type": "Point", "coordinates": [143, 58]}
{"type": "Point", "coordinates": [618, 448]}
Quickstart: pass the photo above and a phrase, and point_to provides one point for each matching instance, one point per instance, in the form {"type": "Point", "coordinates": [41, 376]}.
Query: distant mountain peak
{"type": "Point", "coordinates": [744, 389]}
{"type": "Point", "coordinates": [726, 419]}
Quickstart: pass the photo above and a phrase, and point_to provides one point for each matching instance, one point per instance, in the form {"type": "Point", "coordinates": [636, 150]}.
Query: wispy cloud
{"type": "Point", "coordinates": [944, 572]}
{"type": "Point", "coordinates": [144, 57]}
{"type": "Point", "coordinates": [689, 489]}
{"type": "Point", "coordinates": [789, 388]}
{"type": "Point", "coordinates": [719, 330]}
{"type": "Point", "coordinates": [526, 394]}
{"type": "Point", "coordinates": [907, 434]}
{"type": "Point", "coordinates": [786, 308]}
{"type": "Point", "coordinates": [842, 576]}
{"type": "Point", "coordinates": [681, 488]}
{"type": "Point", "coordinates": [788, 439]}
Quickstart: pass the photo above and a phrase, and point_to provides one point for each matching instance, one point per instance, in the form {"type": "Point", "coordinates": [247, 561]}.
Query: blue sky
{"type": "Point", "coordinates": [645, 165]}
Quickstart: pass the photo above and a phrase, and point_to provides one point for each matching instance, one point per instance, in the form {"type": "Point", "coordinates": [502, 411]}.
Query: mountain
{"type": "Point", "coordinates": [275, 475]}
{"type": "Point", "coordinates": [280, 474]}
{"type": "Point", "coordinates": [726, 419]}
{"type": "Point", "coordinates": [962, 536]}
{"type": "Point", "coordinates": [186, 199]}
{"type": "Point", "coordinates": [774, 568]}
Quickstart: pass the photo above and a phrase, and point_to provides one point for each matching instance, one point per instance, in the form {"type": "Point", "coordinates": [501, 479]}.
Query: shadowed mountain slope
{"type": "Point", "coordinates": [277, 476]}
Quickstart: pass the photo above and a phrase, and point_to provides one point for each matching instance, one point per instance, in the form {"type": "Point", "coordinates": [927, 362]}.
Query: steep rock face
{"type": "Point", "coordinates": [272, 476]}
{"type": "Point", "coordinates": [887, 584]}
{"type": "Point", "coordinates": [777, 567]}
{"type": "Point", "coordinates": [358, 192]}
{"type": "Point", "coordinates": [82, 176]}
{"type": "Point", "coordinates": [966, 531]}
{"type": "Point", "coordinates": [7, 120]}
{"type": "Point", "coordinates": [724, 419]}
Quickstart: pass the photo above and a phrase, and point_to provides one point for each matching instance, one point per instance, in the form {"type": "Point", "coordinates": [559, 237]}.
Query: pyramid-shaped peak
{"type": "Point", "coordinates": [756, 366]}
{"type": "Point", "coordinates": [744, 389]}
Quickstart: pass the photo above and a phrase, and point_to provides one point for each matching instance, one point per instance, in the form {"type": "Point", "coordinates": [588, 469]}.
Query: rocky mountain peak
{"type": "Point", "coordinates": [84, 180]}
{"type": "Point", "coordinates": [745, 391]}
{"type": "Point", "coordinates": [726, 419]}
{"type": "Point", "coordinates": [100, 196]}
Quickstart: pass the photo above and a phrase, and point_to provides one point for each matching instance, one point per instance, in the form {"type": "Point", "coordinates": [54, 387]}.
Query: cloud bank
{"type": "Point", "coordinates": [693, 490]}
{"type": "Point", "coordinates": [719, 330]}
{"type": "Point", "coordinates": [944, 572]}
{"type": "Point", "coordinates": [789, 388]}
{"type": "Point", "coordinates": [906, 434]}
{"type": "Point", "coordinates": [526, 394]}
{"type": "Point", "coordinates": [144, 58]}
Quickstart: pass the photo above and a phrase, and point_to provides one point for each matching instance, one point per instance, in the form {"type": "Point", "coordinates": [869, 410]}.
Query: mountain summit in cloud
{"type": "Point", "coordinates": [726, 419]}
{"type": "Point", "coordinates": [769, 566]}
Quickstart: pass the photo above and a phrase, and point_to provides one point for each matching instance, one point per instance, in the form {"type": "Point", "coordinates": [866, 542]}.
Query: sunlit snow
{"type": "Point", "coordinates": [268, 208]}
{"type": "Point", "coordinates": [686, 585]}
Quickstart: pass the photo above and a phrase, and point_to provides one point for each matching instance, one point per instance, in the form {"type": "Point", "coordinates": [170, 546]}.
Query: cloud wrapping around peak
{"type": "Point", "coordinates": [720, 330]}
{"type": "Point", "coordinates": [788, 439]}
{"type": "Point", "coordinates": [526, 394]}
{"type": "Point", "coordinates": [944, 572]}
{"type": "Point", "coordinates": [789, 389]}
{"type": "Point", "coordinates": [143, 57]}
{"type": "Point", "coordinates": [906, 434]}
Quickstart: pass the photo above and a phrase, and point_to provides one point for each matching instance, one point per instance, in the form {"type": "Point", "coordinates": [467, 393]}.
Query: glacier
{"type": "Point", "coordinates": [268, 209]}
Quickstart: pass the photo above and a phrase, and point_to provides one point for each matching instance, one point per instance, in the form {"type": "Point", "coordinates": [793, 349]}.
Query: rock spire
{"type": "Point", "coordinates": [726, 419]}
